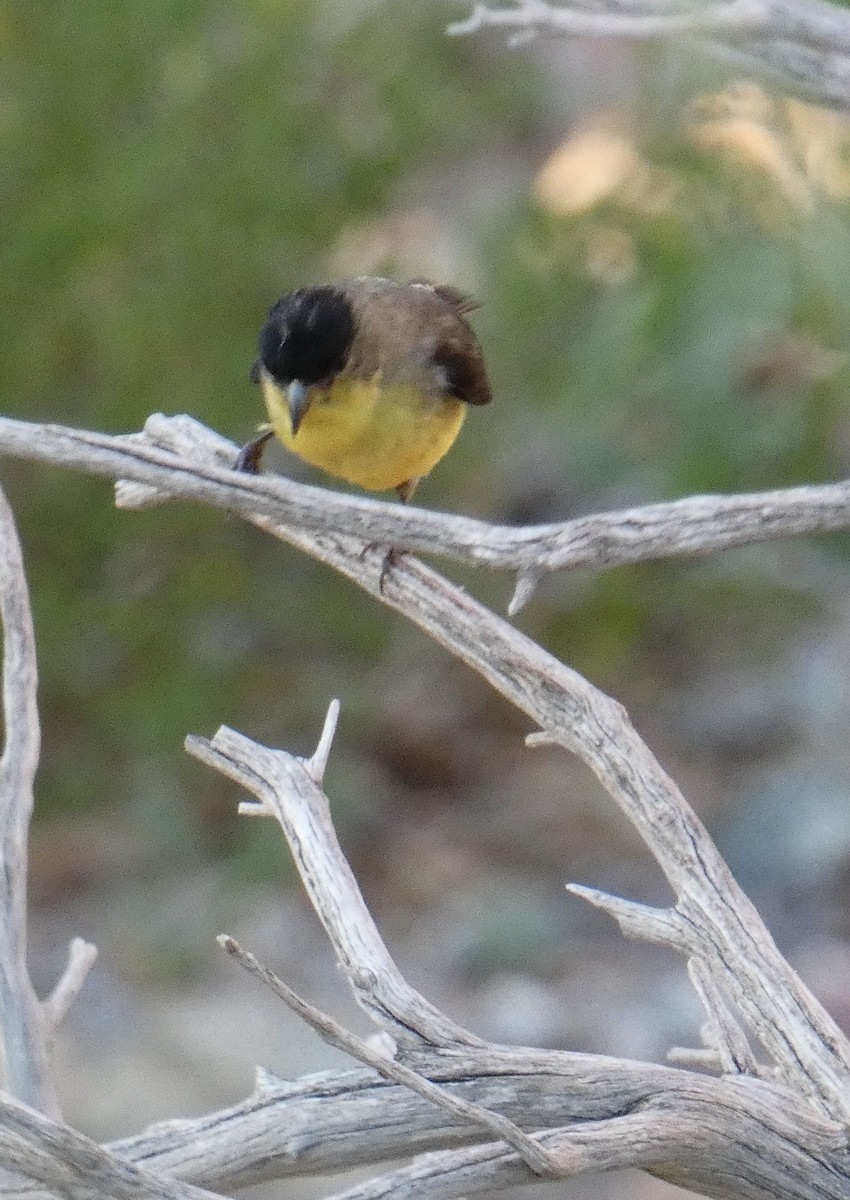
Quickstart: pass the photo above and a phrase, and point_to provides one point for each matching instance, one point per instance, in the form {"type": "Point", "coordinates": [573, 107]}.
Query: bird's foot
{"type": "Point", "coordinates": [405, 490]}
{"type": "Point", "coordinates": [392, 557]}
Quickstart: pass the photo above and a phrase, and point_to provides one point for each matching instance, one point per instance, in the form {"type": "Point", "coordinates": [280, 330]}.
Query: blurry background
{"type": "Point", "coordinates": [661, 252]}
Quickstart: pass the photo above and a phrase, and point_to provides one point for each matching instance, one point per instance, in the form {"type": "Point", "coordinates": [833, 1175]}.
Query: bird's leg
{"type": "Point", "coordinates": [249, 457]}
{"type": "Point", "coordinates": [393, 554]}
{"type": "Point", "coordinates": [391, 559]}
{"type": "Point", "coordinates": [405, 491]}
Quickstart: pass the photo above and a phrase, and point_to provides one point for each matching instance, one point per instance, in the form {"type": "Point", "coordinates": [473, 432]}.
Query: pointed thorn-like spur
{"type": "Point", "coordinates": [526, 582]}
{"type": "Point", "coordinates": [317, 764]}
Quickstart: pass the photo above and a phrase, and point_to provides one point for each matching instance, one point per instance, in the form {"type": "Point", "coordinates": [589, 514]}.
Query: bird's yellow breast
{"type": "Point", "coordinates": [377, 437]}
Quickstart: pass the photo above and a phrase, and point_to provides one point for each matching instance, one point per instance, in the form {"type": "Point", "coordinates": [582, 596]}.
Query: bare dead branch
{"type": "Point", "coordinates": [802, 44]}
{"type": "Point", "coordinates": [364, 1121]}
{"type": "Point", "coordinates": [802, 1040]}
{"type": "Point", "coordinates": [741, 17]}
{"type": "Point", "coordinates": [376, 981]}
{"type": "Point", "coordinates": [535, 1158]}
{"type": "Point", "coordinates": [196, 467]}
{"type": "Point", "coordinates": [774, 1140]}
{"type": "Point", "coordinates": [24, 1031]}
{"type": "Point", "coordinates": [39, 1157]}
{"type": "Point", "coordinates": [683, 1144]}
{"type": "Point", "coordinates": [681, 1148]}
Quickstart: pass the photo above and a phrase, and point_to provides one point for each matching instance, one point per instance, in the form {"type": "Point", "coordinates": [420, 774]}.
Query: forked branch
{"type": "Point", "coordinates": [177, 457]}
{"type": "Point", "coordinates": [762, 1129]}
{"type": "Point", "coordinates": [729, 1137]}
{"type": "Point", "coordinates": [715, 920]}
{"type": "Point", "coordinates": [26, 1025]}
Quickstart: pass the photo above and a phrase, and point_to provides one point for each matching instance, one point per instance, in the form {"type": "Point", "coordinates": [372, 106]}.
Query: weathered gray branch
{"type": "Point", "coordinates": [803, 44]}
{"type": "Point", "coordinates": [200, 471]}
{"type": "Point", "coordinates": [377, 983]}
{"type": "Point", "coordinates": [276, 1133]}
{"type": "Point", "coordinates": [22, 1021]}
{"type": "Point", "coordinates": [681, 1146]}
{"type": "Point", "coordinates": [722, 925]}
{"type": "Point", "coordinates": [42, 1158]}
{"type": "Point", "coordinates": [737, 18]}
{"type": "Point", "coordinates": [735, 1136]}
{"type": "Point", "coordinates": [720, 1148]}
{"type": "Point", "coordinates": [386, 1064]}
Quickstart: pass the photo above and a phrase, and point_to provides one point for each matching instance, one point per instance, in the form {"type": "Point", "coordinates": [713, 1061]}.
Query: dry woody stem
{"type": "Point", "coordinates": [153, 470]}
{"type": "Point", "coordinates": [803, 45]}
{"type": "Point", "coordinates": [774, 1120]}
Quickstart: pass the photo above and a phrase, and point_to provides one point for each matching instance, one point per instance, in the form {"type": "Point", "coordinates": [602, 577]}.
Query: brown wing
{"type": "Point", "coordinates": [418, 323]}
{"type": "Point", "coordinates": [463, 363]}
{"type": "Point", "coordinates": [457, 351]}
{"type": "Point", "coordinates": [460, 301]}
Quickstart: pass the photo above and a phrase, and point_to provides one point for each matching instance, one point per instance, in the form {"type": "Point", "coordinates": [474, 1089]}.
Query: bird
{"type": "Point", "coordinates": [368, 378]}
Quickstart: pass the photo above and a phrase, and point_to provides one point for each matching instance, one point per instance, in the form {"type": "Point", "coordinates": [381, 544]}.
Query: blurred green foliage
{"type": "Point", "coordinates": [166, 170]}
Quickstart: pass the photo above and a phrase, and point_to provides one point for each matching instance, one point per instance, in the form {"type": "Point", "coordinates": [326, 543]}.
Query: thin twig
{"type": "Point", "coordinates": [724, 1034]}
{"type": "Point", "coordinates": [698, 1058]}
{"type": "Point", "coordinates": [81, 959]}
{"type": "Point", "coordinates": [531, 1153]}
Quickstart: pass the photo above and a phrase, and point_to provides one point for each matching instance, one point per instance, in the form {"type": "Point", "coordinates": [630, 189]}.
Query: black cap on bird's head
{"type": "Point", "coordinates": [306, 339]}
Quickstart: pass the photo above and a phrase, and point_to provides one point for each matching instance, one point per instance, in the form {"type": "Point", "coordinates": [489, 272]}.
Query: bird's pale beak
{"type": "Point", "coordinates": [298, 400]}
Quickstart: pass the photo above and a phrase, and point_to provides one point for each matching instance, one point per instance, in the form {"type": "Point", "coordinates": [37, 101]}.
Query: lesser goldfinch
{"type": "Point", "coordinates": [369, 379]}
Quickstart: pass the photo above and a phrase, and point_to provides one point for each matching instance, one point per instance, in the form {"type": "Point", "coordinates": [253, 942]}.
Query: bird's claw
{"type": "Point", "coordinates": [391, 559]}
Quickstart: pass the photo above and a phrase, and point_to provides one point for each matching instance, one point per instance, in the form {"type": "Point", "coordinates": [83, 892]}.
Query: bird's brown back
{"type": "Point", "coordinates": [416, 332]}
